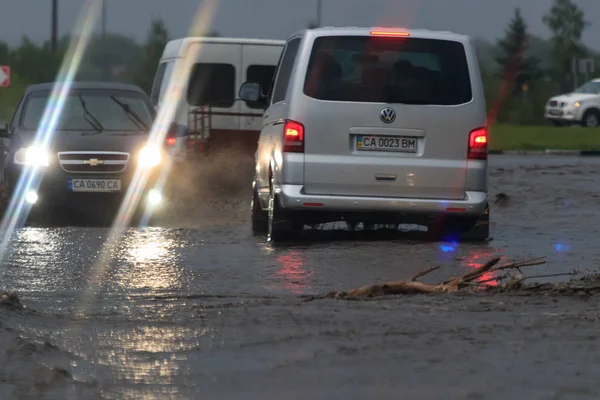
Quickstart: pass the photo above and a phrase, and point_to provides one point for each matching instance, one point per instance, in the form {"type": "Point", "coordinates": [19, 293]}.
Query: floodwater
{"type": "Point", "coordinates": [202, 309]}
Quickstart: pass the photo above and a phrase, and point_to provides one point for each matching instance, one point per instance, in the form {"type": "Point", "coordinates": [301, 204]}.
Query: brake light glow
{"type": "Point", "coordinates": [171, 141]}
{"type": "Point", "coordinates": [478, 144]}
{"type": "Point", "coordinates": [313, 204]}
{"type": "Point", "coordinates": [293, 137]}
{"type": "Point", "coordinates": [390, 33]}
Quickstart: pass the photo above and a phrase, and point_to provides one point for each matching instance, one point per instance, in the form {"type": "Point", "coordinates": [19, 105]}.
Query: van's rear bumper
{"type": "Point", "coordinates": [293, 198]}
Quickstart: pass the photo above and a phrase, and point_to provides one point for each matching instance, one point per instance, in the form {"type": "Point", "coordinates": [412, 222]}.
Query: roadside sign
{"type": "Point", "coordinates": [4, 76]}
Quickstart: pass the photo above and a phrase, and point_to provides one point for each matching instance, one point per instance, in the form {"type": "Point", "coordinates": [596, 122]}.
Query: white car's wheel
{"type": "Point", "coordinates": [591, 119]}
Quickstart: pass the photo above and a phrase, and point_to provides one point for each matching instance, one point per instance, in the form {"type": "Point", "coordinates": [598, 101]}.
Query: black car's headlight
{"type": "Point", "coordinates": [33, 156]}
{"type": "Point", "coordinates": [149, 157]}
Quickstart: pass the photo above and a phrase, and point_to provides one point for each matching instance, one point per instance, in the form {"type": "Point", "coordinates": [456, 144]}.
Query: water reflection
{"type": "Point", "coordinates": [40, 254]}
{"type": "Point", "coordinates": [152, 358]}
{"type": "Point", "coordinates": [477, 259]}
{"type": "Point", "coordinates": [290, 274]}
{"type": "Point", "coordinates": [151, 261]}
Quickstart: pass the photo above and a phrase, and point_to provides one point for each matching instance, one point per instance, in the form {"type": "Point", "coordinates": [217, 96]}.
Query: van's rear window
{"type": "Point", "coordinates": [388, 70]}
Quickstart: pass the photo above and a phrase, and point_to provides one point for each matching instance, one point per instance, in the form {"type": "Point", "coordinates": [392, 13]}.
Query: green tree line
{"type": "Point", "coordinates": [520, 71]}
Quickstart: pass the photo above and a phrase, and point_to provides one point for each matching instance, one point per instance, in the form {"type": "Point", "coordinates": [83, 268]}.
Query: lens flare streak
{"type": "Point", "coordinates": [30, 179]}
{"type": "Point", "coordinates": [166, 114]}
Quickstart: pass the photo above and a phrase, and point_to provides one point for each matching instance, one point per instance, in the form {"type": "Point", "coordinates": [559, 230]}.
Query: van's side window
{"type": "Point", "coordinates": [285, 70]}
{"type": "Point", "coordinates": [262, 74]}
{"type": "Point", "coordinates": [160, 73]}
{"type": "Point", "coordinates": [212, 84]}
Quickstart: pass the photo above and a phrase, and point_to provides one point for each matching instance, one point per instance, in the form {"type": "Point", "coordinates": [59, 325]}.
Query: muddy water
{"type": "Point", "coordinates": [210, 311]}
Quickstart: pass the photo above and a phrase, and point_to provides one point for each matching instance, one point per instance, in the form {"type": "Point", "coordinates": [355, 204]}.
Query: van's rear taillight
{"type": "Point", "coordinates": [293, 137]}
{"type": "Point", "coordinates": [478, 144]}
{"type": "Point", "coordinates": [171, 141]}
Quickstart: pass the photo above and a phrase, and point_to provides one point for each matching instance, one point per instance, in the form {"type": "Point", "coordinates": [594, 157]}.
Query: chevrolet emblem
{"type": "Point", "coordinates": [93, 162]}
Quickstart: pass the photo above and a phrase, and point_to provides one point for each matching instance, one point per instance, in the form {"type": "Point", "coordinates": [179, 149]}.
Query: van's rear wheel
{"type": "Point", "coordinates": [260, 217]}
{"type": "Point", "coordinates": [481, 230]}
{"type": "Point", "coordinates": [281, 226]}
{"type": "Point", "coordinates": [456, 228]}
{"type": "Point", "coordinates": [449, 229]}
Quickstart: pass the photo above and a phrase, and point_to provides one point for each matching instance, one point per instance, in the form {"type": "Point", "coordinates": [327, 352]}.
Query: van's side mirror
{"type": "Point", "coordinates": [4, 134]}
{"type": "Point", "coordinates": [251, 92]}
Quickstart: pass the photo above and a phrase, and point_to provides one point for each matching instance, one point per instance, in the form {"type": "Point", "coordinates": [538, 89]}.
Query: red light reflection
{"type": "Point", "coordinates": [292, 275]}
{"type": "Point", "coordinates": [477, 259]}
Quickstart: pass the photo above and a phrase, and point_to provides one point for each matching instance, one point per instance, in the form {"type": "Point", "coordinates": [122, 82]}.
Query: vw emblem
{"type": "Point", "coordinates": [387, 115]}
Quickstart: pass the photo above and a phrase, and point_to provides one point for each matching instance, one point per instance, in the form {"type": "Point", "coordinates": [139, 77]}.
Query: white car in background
{"type": "Point", "coordinates": [581, 107]}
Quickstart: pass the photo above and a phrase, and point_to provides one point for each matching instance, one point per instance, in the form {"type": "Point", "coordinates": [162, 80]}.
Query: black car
{"type": "Point", "coordinates": [96, 142]}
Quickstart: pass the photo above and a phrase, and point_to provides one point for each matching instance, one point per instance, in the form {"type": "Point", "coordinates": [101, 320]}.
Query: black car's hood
{"type": "Point", "coordinates": [77, 141]}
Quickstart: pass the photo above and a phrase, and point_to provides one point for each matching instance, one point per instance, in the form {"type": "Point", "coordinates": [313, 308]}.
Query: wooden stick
{"type": "Point", "coordinates": [478, 272]}
{"type": "Point", "coordinates": [546, 276]}
{"type": "Point", "coordinates": [423, 273]}
{"type": "Point", "coordinates": [452, 285]}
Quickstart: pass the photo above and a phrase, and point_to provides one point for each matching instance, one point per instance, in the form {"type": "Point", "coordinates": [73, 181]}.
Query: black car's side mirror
{"type": "Point", "coordinates": [252, 93]}
{"type": "Point", "coordinates": [4, 134]}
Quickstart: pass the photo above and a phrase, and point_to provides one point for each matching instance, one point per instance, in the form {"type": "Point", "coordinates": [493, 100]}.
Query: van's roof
{"type": "Point", "coordinates": [176, 48]}
{"type": "Point", "coordinates": [366, 31]}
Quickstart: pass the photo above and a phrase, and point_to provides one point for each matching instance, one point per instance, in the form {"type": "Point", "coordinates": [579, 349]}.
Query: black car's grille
{"type": "Point", "coordinates": [99, 156]}
{"type": "Point", "coordinates": [93, 162]}
{"type": "Point", "coordinates": [87, 168]}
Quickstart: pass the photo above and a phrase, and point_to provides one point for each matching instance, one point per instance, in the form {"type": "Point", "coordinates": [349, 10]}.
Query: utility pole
{"type": "Point", "coordinates": [104, 47]}
{"type": "Point", "coordinates": [54, 34]}
{"type": "Point", "coordinates": [103, 20]}
{"type": "Point", "coordinates": [319, 12]}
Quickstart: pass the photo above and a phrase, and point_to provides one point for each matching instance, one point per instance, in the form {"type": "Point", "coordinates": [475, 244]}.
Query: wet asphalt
{"type": "Point", "coordinates": [202, 309]}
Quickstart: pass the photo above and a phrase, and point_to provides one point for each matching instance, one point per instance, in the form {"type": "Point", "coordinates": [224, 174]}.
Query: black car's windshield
{"type": "Point", "coordinates": [589, 88]}
{"type": "Point", "coordinates": [88, 111]}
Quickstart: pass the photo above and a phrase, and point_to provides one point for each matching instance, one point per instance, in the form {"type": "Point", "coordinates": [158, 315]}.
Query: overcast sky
{"type": "Point", "coordinates": [278, 18]}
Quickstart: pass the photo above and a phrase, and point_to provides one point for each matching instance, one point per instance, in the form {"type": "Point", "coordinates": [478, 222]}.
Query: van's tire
{"type": "Point", "coordinates": [260, 217]}
{"type": "Point", "coordinates": [470, 229]}
{"type": "Point", "coordinates": [481, 231]}
{"type": "Point", "coordinates": [281, 225]}
{"type": "Point", "coordinates": [591, 118]}
{"type": "Point", "coordinates": [448, 228]}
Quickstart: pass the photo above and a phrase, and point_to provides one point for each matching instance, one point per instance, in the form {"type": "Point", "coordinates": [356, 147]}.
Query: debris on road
{"type": "Point", "coordinates": [501, 198]}
{"type": "Point", "coordinates": [472, 280]}
{"type": "Point", "coordinates": [10, 300]}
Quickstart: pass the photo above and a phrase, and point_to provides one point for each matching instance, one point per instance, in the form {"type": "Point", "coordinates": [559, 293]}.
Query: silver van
{"type": "Point", "coordinates": [372, 126]}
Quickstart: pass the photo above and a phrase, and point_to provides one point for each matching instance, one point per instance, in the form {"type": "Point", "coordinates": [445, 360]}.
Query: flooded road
{"type": "Point", "coordinates": [203, 309]}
